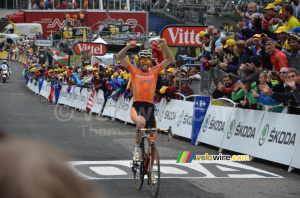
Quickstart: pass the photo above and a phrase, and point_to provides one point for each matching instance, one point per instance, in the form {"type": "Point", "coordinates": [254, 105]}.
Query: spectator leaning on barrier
{"type": "Point", "coordinates": [216, 34]}
{"type": "Point", "coordinates": [244, 90]}
{"type": "Point", "coordinates": [194, 83]}
{"type": "Point", "coordinates": [265, 100]}
{"type": "Point", "coordinates": [225, 88]}
{"type": "Point", "coordinates": [278, 58]}
{"type": "Point", "coordinates": [286, 98]}
{"type": "Point", "coordinates": [295, 47]}
{"type": "Point", "coordinates": [205, 47]}
{"type": "Point", "coordinates": [254, 66]}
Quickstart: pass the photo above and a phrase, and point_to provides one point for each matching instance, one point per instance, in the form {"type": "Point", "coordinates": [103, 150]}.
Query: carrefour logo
{"type": "Point", "coordinates": [231, 129]}
{"type": "Point", "coordinates": [206, 123]}
{"type": "Point", "coordinates": [263, 135]}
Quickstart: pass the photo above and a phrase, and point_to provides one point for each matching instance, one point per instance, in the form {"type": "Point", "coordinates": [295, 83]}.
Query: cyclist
{"type": "Point", "coordinates": [144, 83]}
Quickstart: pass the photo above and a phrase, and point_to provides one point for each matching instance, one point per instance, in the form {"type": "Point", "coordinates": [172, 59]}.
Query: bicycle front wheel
{"type": "Point", "coordinates": [138, 174]}
{"type": "Point", "coordinates": [154, 174]}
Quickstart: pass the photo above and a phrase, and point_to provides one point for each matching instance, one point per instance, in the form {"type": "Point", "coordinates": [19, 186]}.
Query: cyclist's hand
{"type": "Point", "coordinates": [162, 41]}
{"type": "Point", "coordinates": [131, 44]}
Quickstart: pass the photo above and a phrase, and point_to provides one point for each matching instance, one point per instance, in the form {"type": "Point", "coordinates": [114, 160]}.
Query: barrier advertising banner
{"type": "Point", "coordinates": [75, 97]}
{"type": "Point", "coordinates": [167, 114]}
{"type": "Point", "coordinates": [63, 96]}
{"type": "Point", "coordinates": [242, 130]}
{"type": "Point", "coordinates": [277, 140]}
{"type": "Point", "coordinates": [123, 112]}
{"type": "Point", "coordinates": [82, 99]}
{"type": "Point", "coordinates": [201, 104]}
{"type": "Point", "coordinates": [110, 106]}
{"type": "Point", "coordinates": [98, 102]}
{"type": "Point", "coordinates": [215, 122]}
{"type": "Point", "coordinates": [296, 159]}
{"type": "Point", "coordinates": [184, 119]}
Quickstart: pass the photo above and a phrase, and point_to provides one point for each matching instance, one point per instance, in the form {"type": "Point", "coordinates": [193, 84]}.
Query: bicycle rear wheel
{"type": "Point", "coordinates": [138, 174]}
{"type": "Point", "coordinates": [154, 172]}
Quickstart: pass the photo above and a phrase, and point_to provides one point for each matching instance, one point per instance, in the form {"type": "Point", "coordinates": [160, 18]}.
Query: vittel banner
{"type": "Point", "coordinates": [276, 136]}
{"type": "Point", "coordinates": [214, 125]}
{"type": "Point", "coordinates": [182, 35]}
{"type": "Point", "coordinates": [242, 130]}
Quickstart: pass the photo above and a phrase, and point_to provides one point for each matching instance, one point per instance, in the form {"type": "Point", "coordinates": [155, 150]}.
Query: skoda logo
{"type": "Point", "coordinates": [181, 116]}
{"type": "Point", "coordinates": [162, 113]}
{"type": "Point", "coordinates": [263, 135]}
{"type": "Point", "coordinates": [206, 123]}
{"type": "Point", "coordinates": [231, 129]}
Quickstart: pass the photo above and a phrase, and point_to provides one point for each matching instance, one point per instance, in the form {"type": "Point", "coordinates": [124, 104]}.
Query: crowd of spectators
{"type": "Point", "coordinates": [264, 59]}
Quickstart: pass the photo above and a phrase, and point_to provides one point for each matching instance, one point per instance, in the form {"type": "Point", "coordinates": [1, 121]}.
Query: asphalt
{"type": "Point", "coordinates": [93, 138]}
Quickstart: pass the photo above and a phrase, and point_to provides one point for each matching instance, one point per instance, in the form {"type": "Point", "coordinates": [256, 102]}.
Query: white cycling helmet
{"type": "Point", "coordinates": [145, 54]}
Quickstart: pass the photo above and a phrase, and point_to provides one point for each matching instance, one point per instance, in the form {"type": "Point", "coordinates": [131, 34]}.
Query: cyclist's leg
{"type": "Point", "coordinates": [151, 122]}
{"type": "Point", "coordinates": [140, 123]}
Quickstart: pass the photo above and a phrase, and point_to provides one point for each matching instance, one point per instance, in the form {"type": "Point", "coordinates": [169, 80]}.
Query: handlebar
{"type": "Point", "coordinates": [154, 130]}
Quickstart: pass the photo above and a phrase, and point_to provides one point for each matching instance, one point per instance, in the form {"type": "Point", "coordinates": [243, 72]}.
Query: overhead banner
{"type": "Point", "coordinates": [213, 128]}
{"type": "Point", "coordinates": [96, 49]}
{"type": "Point", "coordinates": [277, 140]}
{"type": "Point", "coordinates": [181, 35]}
{"type": "Point", "coordinates": [242, 130]}
{"type": "Point", "coordinates": [184, 119]}
{"type": "Point", "coordinates": [201, 104]}
{"type": "Point", "coordinates": [43, 43]}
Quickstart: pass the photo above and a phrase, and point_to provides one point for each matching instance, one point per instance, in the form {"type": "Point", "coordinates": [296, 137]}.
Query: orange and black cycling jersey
{"type": "Point", "coordinates": [144, 83]}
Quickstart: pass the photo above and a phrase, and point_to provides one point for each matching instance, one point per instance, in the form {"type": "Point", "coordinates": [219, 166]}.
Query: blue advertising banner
{"type": "Point", "coordinates": [201, 104]}
{"type": "Point", "coordinates": [41, 81]}
{"type": "Point", "coordinates": [56, 91]}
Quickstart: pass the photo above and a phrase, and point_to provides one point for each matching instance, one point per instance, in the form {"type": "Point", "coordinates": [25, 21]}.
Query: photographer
{"type": "Point", "coordinates": [255, 66]}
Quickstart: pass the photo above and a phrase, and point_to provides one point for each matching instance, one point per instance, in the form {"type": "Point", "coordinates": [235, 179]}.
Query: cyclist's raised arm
{"type": "Point", "coordinates": [170, 57]}
{"type": "Point", "coordinates": [121, 54]}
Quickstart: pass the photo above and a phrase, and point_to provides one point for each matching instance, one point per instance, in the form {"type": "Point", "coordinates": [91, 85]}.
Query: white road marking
{"type": "Point", "coordinates": [97, 170]}
{"type": "Point", "coordinates": [108, 170]}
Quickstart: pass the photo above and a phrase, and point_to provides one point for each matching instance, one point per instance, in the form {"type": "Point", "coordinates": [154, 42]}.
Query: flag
{"type": "Point", "coordinates": [90, 102]}
{"type": "Point", "coordinates": [50, 97]}
{"type": "Point", "coordinates": [59, 57]}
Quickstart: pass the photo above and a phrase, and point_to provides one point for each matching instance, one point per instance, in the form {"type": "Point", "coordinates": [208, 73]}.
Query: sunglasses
{"type": "Point", "coordinates": [215, 34]}
{"type": "Point", "coordinates": [284, 72]}
{"type": "Point", "coordinates": [145, 61]}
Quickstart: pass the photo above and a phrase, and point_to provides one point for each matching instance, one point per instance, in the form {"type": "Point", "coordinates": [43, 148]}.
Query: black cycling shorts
{"type": "Point", "coordinates": [146, 110]}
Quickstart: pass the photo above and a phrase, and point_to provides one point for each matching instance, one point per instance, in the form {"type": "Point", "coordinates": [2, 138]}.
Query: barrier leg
{"type": "Point", "coordinates": [221, 150]}
{"type": "Point", "coordinates": [251, 158]}
{"type": "Point", "coordinates": [290, 169]}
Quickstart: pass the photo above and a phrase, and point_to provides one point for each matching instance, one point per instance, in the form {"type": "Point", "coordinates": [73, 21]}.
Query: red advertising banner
{"type": "Point", "coordinates": [133, 18]}
{"type": "Point", "coordinates": [96, 49]}
{"type": "Point", "coordinates": [53, 20]}
{"type": "Point", "coordinates": [185, 36]}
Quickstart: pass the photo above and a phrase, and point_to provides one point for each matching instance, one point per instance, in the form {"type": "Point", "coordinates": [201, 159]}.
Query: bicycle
{"type": "Point", "coordinates": [149, 164]}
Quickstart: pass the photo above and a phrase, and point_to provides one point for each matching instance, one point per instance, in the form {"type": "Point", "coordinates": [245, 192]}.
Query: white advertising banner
{"type": "Point", "coordinates": [35, 86]}
{"type": "Point", "coordinates": [168, 112]}
{"type": "Point", "coordinates": [98, 102]}
{"type": "Point", "coordinates": [81, 104]}
{"type": "Point", "coordinates": [75, 97]}
{"type": "Point", "coordinates": [158, 107]}
{"type": "Point", "coordinates": [110, 107]}
{"type": "Point", "coordinates": [184, 119]}
{"type": "Point", "coordinates": [278, 137]}
{"type": "Point", "coordinates": [215, 122]}
{"type": "Point", "coordinates": [43, 90]}
{"type": "Point", "coordinates": [296, 159]}
{"type": "Point", "coordinates": [63, 96]}
{"type": "Point", "coordinates": [123, 111]}
{"type": "Point", "coordinates": [242, 130]}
